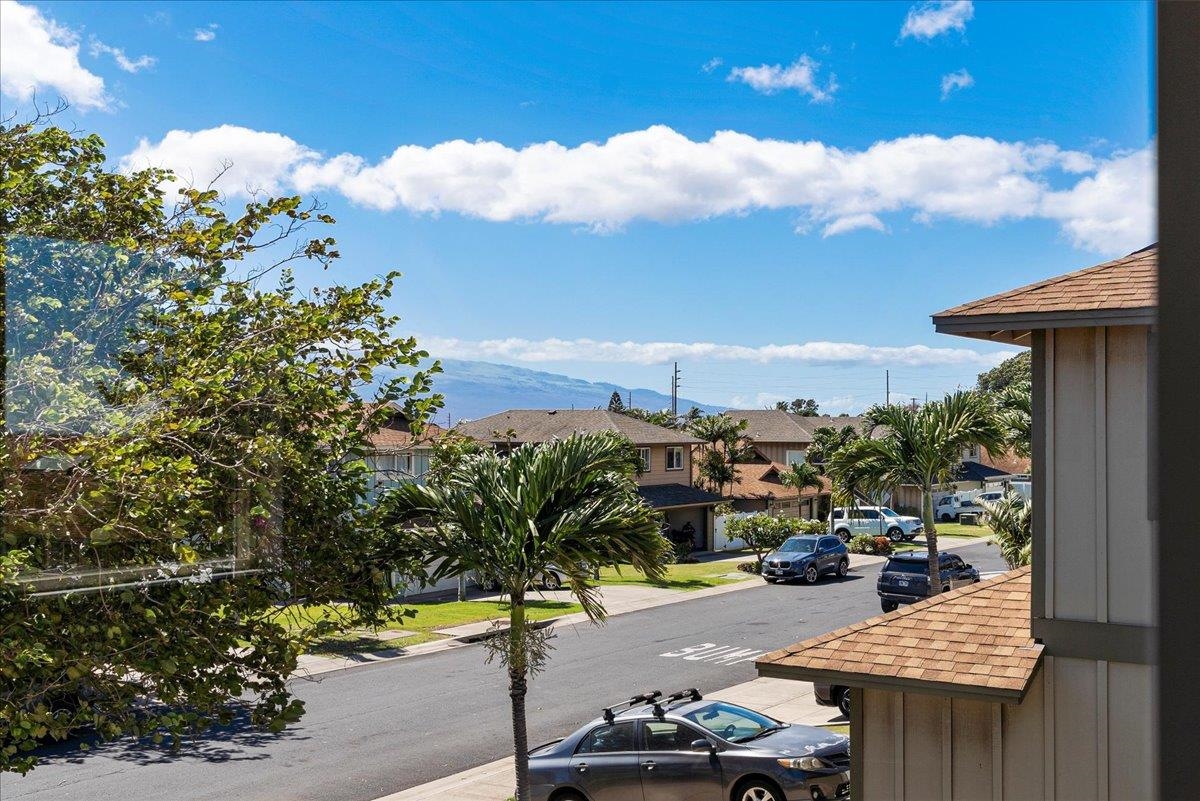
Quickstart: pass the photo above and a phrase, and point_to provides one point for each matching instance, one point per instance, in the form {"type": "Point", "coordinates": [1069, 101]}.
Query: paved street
{"type": "Point", "coordinates": [380, 728]}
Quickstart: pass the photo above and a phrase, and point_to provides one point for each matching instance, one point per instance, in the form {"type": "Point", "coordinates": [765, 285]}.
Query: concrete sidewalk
{"type": "Point", "coordinates": [792, 701]}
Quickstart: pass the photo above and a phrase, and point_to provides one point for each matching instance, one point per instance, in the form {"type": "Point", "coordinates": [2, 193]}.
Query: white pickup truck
{"type": "Point", "coordinates": [949, 507]}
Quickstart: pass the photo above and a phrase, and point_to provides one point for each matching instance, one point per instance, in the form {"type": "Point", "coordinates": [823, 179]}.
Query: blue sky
{"type": "Point", "coordinates": [783, 175]}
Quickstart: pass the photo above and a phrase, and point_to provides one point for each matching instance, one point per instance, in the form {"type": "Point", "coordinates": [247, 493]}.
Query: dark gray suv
{"type": "Point", "coordinates": [655, 748]}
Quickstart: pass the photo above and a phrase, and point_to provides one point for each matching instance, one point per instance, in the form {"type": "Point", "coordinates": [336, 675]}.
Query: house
{"type": "Point", "coordinates": [665, 481]}
{"type": "Point", "coordinates": [978, 470]}
{"type": "Point", "coordinates": [1040, 683]}
{"type": "Point", "coordinates": [780, 439]}
{"type": "Point", "coordinates": [397, 453]}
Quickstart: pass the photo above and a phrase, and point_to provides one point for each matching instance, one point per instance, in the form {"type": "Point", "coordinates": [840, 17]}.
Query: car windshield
{"type": "Point", "coordinates": [888, 512]}
{"type": "Point", "coordinates": [798, 546]}
{"type": "Point", "coordinates": [733, 723]}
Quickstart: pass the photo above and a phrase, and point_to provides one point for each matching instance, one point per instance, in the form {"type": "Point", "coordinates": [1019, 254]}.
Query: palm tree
{"type": "Point", "coordinates": [920, 446]}
{"type": "Point", "coordinates": [726, 446]}
{"type": "Point", "coordinates": [570, 503]}
{"type": "Point", "coordinates": [1016, 405]}
{"type": "Point", "coordinates": [802, 476]}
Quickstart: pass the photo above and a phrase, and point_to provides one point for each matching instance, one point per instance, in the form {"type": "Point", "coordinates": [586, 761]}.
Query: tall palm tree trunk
{"type": "Point", "coordinates": [931, 543]}
{"type": "Point", "coordinates": [518, 685]}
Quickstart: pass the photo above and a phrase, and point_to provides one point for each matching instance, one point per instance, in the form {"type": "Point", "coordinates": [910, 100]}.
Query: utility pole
{"type": "Point", "coordinates": [629, 405]}
{"type": "Point", "coordinates": [675, 391]}
{"type": "Point", "coordinates": [887, 383]}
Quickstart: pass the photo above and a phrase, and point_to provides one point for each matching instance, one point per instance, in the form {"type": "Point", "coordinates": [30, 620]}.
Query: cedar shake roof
{"type": "Point", "coordinates": [542, 425]}
{"type": "Point", "coordinates": [973, 641]}
{"type": "Point", "coordinates": [774, 425]}
{"type": "Point", "coordinates": [1121, 291]}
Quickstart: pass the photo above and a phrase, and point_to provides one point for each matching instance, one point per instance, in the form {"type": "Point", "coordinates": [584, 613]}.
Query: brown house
{"type": "Point", "coordinates": [1041, 683]}
{"type": "Point", "coordinates": [665, 481]}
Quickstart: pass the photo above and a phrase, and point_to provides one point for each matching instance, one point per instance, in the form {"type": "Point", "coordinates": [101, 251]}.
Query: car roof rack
{"type": "Point", "coordinates": [691, 694]}
{"type": "Point", "coordinates": [610, 712]}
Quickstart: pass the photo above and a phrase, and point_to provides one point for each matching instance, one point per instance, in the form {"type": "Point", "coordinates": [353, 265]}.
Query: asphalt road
{"type": "Point", "coordinates": [380, 728]}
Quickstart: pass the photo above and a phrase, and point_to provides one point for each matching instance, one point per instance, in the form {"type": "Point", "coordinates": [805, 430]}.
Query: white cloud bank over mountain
{"type": "Point", "coordinates": [651, 353]}
{"type": "Point", "coordinates": [1103, 204]}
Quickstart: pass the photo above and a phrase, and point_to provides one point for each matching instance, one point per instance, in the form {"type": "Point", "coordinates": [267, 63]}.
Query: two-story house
{"type": "Point", "coordinates": [665, 480]}
{"type": "Point", "coordinates": [1041, 682]}
{"type": "Point", "coordinates": [780, 439]}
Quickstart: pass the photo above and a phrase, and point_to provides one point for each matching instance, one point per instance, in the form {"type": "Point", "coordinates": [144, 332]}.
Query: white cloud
{"type": "Point", "coordinates": [853, 222]}
{"type": "Point", "coordinates": [927, 20]}
{"type": "Point", "coordinates": [956, 80]}
{"type": "Point", "coordinates": [1114, 207]}
{"type": "Point", "coordinates": [800, 75]}
{"type": "Point", "coordinates": [246, 161]}
{"type": "Point", "coordinates": [207, 33]}
{"type": "Point", "coordinates": [660, 175]}
{"type": "Point", "coordinates": [653, 353]}
{"type": "Point", "coordinates": [38, 54]}
{"type": "Point", "coordinates": [712, 63]}
{"type": "Point", "coordinates": [127, 64]}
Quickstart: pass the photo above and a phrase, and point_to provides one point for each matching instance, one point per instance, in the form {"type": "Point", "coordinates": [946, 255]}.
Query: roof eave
{"type": "Point", "coordinates": [1016, 327]}
{"type": "Point", "coordinates": [774, 670]}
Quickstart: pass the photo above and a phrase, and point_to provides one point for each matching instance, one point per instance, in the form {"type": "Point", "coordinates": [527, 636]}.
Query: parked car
{"type": "Point", "coordinates": [682, 746]}
{"type": "Point", "coordinates": [905, 577]}
{"type": "Point", "coordinates": [552, 579]}
{"type": "Point", "coordinates": [808, 557]}
{"type": "Point", "coordinates": [833, 695]}
{"type": "Point", "coordinates": [875, 521]}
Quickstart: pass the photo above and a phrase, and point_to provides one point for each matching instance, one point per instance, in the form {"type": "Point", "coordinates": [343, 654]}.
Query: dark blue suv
{"type": "Point", "coordinates": [905, 577]}
{"type": "Point", "coordinates": [807, 557]}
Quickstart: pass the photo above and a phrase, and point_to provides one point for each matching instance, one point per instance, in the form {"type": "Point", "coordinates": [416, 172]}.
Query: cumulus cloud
{"type": "Point", "coordinates": [37, 54]}
{"type": "Point", "coordinates": [656, 353]}
{"type": "Point", "coordinates": [207, 33]}
{"type": "Point", "coordinates": [127, 64]}
{"type": "Point", "coordinates": [235, 160]}
{"type": "Point", "coordinates": [927, 20]}
{"type": "Point", "coordinates": [660, 175]}
{"type": "Point", "coordinates": [800, 75]}
{"type": "Point", "coordinates": [956, 80]}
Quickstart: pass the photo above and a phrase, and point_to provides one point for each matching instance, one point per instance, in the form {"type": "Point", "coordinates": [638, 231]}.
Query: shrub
{"type": "Point", "coordinates": [883, 546]}
{"type": "Point", "coordinates": [872, 546]}
{"type": "Point", "coordinates": [747, 567]}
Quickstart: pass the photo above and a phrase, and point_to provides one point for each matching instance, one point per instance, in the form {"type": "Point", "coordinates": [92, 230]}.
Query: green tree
{"type": "Point", "coordinates": [571, 503]}
{"type": "Point", "coordinates": [801, 476]}
{"type": "Point", "coordinates": [725, 447]}
{"type": "Point", "coordinates": [920, 446]}
{"type": "Point", "coordinates": [615, 403]}
{"type": "Point", "coordinates": [1011, 522]}
{"type": "Point", "coordinates": [1016, 409]}
{"type": "Point", "coordinates": [805, 407]}
{"type": "Point", "coordinates": [764, 533]}
{"type": "Point", "coordinates": [1013, 370]}
{"type": "Point", "coordinates": [826, 440]}
{"type": "Point", "coordinates": [175, 408]}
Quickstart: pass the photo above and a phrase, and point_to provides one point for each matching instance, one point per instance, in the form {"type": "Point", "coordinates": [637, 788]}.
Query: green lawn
{"type": "Point", "coordinates": [430, 615]}
{"type": "Point", "coordinates": [682, 577]}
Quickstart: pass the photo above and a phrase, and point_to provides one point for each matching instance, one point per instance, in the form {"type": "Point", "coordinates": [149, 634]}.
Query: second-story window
{"type": "Point", "coordinates": [675, 458]}
{"type": "Point", "coordinates": [794, 457]}
{"type": "Point", "coordinates": [644, 454]}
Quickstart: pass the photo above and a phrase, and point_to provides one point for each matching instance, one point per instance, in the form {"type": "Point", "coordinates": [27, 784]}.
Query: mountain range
{"type": "Point", "coordinates": [477, 389]}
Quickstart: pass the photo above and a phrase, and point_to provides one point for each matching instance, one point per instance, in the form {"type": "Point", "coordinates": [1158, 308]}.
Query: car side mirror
{"type": "Point", "coordinates": [703, 745]}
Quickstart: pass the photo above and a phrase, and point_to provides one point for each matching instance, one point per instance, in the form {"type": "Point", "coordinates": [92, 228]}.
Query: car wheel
{"type": "Point", "coordinates": [946, 518]}
{"type": "Point", "coordinates": [568, 795]}
{"type": "Point", "coordinates": [889, 606]}
{"type": "Point", "coordinates": [843, 568]}
{"type": "Point", "coordinates": [895, 534]}
{"type": "Point", "coordinates": [811, 574]}
{"type": "Point", "coordinates": [843, 701]}
{"type": "Point", "coordinates": [843, 534]}
{"type": "Point", "coordinates": [757, 790]}
{"type": "Point", "coordinates": [946, 588]}
{"type": "Point", "coordinates": [551, 581]}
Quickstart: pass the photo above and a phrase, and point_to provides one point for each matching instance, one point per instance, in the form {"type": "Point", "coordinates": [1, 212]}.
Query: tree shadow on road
{"type": "Point", "coordinates": [238, 741]}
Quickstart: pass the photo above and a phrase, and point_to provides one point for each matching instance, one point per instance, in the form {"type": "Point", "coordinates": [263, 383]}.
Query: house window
{"type": "Point", "coordinates": [794, 457]}
{"type": "Point", "coordinates": [675, 458]}
{"type": "Point", "coordinates": [973, 453]}
{"type": "Point", "coordinates": [644, 454]}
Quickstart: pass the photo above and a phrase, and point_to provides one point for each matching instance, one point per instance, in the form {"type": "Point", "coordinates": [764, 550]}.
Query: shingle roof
{"type": "Point", "coordinates": [973, 641]}
{"type": "Point", "coordinates": [541, 425]}
{"type": "Point", "coordinates": [664, 496]}
{"type": "Point", "coordinates": [968, 470]}
{"type": "Point", "coordinates": [1130, 282]}
{"type": "Point", "coordinates": [774, 425]}
{"type": "Point", "coordinates": [760, 479]}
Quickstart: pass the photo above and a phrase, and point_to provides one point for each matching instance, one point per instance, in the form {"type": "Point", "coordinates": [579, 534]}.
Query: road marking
{"type": "Point", "coordinates": [714, 653]}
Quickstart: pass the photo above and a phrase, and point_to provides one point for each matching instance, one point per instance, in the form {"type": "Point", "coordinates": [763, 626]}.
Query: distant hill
{"type": "Point", "coordinates": [476, 389]}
